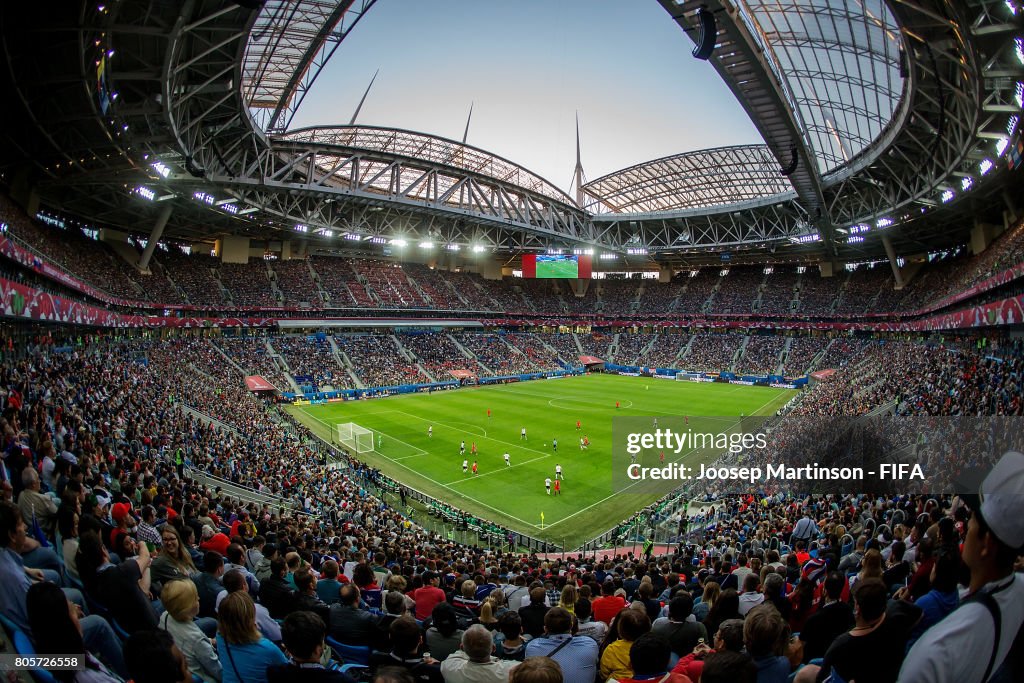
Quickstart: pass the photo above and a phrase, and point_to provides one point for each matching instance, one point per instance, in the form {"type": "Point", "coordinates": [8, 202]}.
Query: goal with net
{"type": "Point", "coordinates": [355, 438]}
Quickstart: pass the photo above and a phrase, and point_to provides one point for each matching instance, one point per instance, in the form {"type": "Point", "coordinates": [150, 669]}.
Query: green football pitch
{"type": "Point", "coordinates": [515, 496]}
{"type": "Point", "coordinates": [557, 269]}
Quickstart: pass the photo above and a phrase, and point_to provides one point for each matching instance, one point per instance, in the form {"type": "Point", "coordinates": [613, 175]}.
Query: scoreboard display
{"type": "Point", "coordinates": [556, 266]}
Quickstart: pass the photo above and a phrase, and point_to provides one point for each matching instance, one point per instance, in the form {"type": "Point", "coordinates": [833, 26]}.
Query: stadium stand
{"type": "Point", "coordinates": [761, 355]}
{"type": "Point", "coordinates": [377, 361]}
{"type": "Point", "coordinates": [710, 352]}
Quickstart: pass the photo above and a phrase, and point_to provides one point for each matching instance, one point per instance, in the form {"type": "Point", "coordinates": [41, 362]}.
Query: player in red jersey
{"type": "Point", "coordinates": [475, 469]}
{"type": "Point", "coordinates": [488, 413]}
{"type": "Point", "coordinates": [473, 448]}
{"type": "Point", "coordinates": [558, 487]}
{"type": "Point", "coordinates": [616, 405]}
{"type": "Point", "coordinates": [661, 456]}
{"type": "Point", "coordinates": [578, 426]}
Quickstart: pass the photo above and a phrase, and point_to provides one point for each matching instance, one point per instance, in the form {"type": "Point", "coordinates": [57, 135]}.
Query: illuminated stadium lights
{"type": "Point", "coordinates": [985, 166]}
{"type": "Point", "coordinates": [163, 169]}
{"type": "Point", "coordinates": [325, 232]}
{"type": "Point", "coordinates": [608, 257]}
{"type": "Point", "coordinates": [230, 208]}
{"type": "Point", "coordinates": [453, 247]}
{"type": "Point", "coordinates": [859, 228]}
{"type": "Point", "coordinates": [145, 193]}
{"type": "Point", "coordinates": [1001, 144]}
{"type": "Point", "coordinates": [399, 243]}
{"type": "Point", "coordinates": [1019, 96]}
{"type": "Point", "coordinates": [378, 240]}
{"type": "Point", "coordinates": [1012, 6]}
{"type": "Point", "coordinates": [640, 251]}
{"type": "Point", "coordinates": [883, 223]}
{"type": "Point", "coordinates": [854, 239]}
{"type": "Point", "coordinates": [1011, 124]}
{"type": "Point", "coordinates": [583, 252]}
{"type": "Point", "coordinates": [806, 239]}
{"type": "Point", "coordinates": [966, 183]}
{"type": "Point", "coordinates": [352, 237]}
{"type": "Point", "coordinates": [554, 252]}
{"type": "Point", "coordinates": [1020, 49]}
{"type": "Point", "coordinates": [426, 244]}
{"type": "Point", "coordinates": [299, 227]}
{"type": "Point", "coordinates": [947, 196]}
{"type": "Point", "coordinates": [479, 248]}
{"type": "Point", "coordinates": [204, 197]}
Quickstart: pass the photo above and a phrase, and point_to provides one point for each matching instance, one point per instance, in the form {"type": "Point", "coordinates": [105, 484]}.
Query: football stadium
{"type": "Point", "coordinates": [323, 358]}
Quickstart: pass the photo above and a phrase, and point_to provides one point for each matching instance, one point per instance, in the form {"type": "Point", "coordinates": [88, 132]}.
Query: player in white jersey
{"type": "Point", "coordinates": [558, 472]}
{"type": "Point", "coordinates": [430, 431]}
{"type": "Point", "coordinates": [462, 448]}
{"type": "Point", "coordinates": [547, 485]}
{"type": "Point", "coordinates": [465, 466]}
{"type": "Point", "coordinates": [522, 434]}
{"type": "Point", "coordinates": [508, 462]}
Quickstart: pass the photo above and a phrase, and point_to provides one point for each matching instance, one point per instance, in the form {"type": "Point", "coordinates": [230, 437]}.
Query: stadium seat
{"type": "Point", "coordinates": [23, 646]}
{"type": "Point", "coordinates": [350, 654]}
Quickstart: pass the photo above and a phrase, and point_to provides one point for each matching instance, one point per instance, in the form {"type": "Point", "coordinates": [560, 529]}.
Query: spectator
{"type": "Point", "coordinates": [728, 667]}
{"type": "Point", "coordinates": [586, 626]}
{"type": "Point", "coordinates": [832, 619]}
{"type": "Point", "coordinates": [307, 599]}
{"type": "Point", "coordinates": [609, 604]}
{"type": "Point", "coordinates": [728, 638]}
{"type": "Point", "coordinates": [726, 607]}
{"type": "Point", "coordinates": [122, 589]}
{"type": "Point", "coordinates": [765, 635]}
{"type": "Point", "coordinates": [615, 659]}
{"type": "Point", "coordinates": [677, 629]}
{"type": "Point", "coordinates": [649, 658]}
{"type": "Point", "coordinates": [304, 638]}
{"type": "Point", "coordinates": [875, 647]}
{"type": "Point", "coordinates": [536, 670]}
{"type": "Point", "coordinates": [508, 640]}
{"type": "Point", "coordinates": [428, 596]}
{"type": "Point", "coordinates": [444, 635]}
{"type": "Point", "coordinates": [36, 505]}
{"type": "Point", "coordinates": [351, 625]}
{"type": "Point", "coordinates": [943, 597]}
{"type": "Point", "coordinates": [57, 631]}
{"type": "Point", "coordinates": [234, 581]}
{"type": "Point", "coordinates": [406, 639]}
{"type": "Point", "coordinates": [174, 560]}
{"type": "Point", "coordinates": [954, 648]}
{"type": "Point", "coordinates": [711, 592]}
{"type": "Point", "coordinates": [245, 654]}
{"type": "Point", "coordinates": [750, 598]}
{"type": "Point", "coordinates": [208, 583]}
{"type": "Point", "coordinates": [534, 613]}
{"type": "Point", "coordinates": [328, 586]}
{"type": "Point", "coordinates": [152, 657]}
{"type": "Point", "coordinates": [576, 654]}
{"type": "Point", "coordinates": [474, 663]}
{"type": "Point", "coordinates": [181, 601]}
{"type": "Point", "coordinates": [276, 593]}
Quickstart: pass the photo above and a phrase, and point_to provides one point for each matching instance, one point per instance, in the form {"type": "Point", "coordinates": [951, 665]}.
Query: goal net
{"type": "Point", "coordinates": [355, 438]}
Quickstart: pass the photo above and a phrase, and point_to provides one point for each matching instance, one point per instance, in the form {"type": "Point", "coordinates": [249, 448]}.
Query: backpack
{"type": "Point", "coordinates": [1012, 667]}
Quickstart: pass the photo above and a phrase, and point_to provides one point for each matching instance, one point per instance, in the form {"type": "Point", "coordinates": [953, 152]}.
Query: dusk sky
{"type": "Point", "coordinates": [528, 67]}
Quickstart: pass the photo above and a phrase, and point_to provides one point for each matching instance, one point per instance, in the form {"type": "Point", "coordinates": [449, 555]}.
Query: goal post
{"type": "Point", "coordinates": [355, 438]}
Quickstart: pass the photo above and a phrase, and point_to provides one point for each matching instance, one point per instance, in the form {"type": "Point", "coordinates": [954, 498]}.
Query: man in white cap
{"type": "Point", "coordinates": [972, 644]}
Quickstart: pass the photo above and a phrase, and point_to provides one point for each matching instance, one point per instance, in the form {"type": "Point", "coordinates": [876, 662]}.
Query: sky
{"type": "Point", "coordinates": [528, 67]}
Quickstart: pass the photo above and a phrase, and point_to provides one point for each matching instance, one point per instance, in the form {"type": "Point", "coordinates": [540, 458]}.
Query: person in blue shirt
{"type": "Point", "coordinates": [243, 652]}
{"type": "Point", "coordinates": [577, 655]}
{"type": "Point", "coordinates": [942, 599]}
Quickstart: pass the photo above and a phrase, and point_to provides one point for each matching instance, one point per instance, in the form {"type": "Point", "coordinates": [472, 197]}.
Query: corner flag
{"type": "Point", "coordinates": [541, 520]}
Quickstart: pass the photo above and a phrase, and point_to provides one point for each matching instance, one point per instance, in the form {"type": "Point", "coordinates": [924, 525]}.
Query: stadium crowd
{"type": "Point", "coordinates": [377, 360]}
{"type": "Point", "coordinates": [311, 357]}
{"type": "Point", "coordinates": [711, 352]}
{"type": "Point", "coordinates": [761, 355]}
{"type": "Point", "coordinates": [249, 591]}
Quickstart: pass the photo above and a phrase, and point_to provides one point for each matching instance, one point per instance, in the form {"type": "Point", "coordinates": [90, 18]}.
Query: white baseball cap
{"type": "Point", "coordinates": [1002, 499]}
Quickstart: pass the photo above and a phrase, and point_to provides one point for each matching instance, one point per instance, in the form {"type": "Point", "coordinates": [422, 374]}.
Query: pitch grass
{"type": "Point", "coordinates": [515, 496]}
{"type": "Point", "coordinates": [557, 269]}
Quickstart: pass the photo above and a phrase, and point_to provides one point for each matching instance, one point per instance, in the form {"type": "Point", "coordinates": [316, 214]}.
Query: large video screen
{"type": "Point", "coordinates": [556, 266]}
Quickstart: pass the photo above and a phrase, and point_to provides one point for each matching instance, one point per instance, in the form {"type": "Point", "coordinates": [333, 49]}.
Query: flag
{"type": "Point", "coordinates": [542, 519]}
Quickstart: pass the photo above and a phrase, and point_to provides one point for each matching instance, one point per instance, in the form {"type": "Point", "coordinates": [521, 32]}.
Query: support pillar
{"type": "Point", "coordinates": [891, 253]}
{"type": "Point", "coordinates": [154, 235]}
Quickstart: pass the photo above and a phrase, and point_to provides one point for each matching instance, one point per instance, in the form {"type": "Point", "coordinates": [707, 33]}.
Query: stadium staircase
{"type": "Point", "coordinates": [513, 350]}
{"type": "Point", "coordinates": [402, 351]}
{"type": "Point", "coordinates": [739, 353]}
{"type": "Point", "coordinates": [646, 350]}
{"type": "Point", "coordinates": [342, 359]}
{"type": "Point", "coordinates": [225, 293]}
{"type": "Point", "coordinates": [470, 355]}
{"type": "Point", "coordinates": [229, 359]}
{"type": "Point", "coordinates": [685, 351]}
{"type": "Point", "coordinates": [549, 347]}
{"type": "Point", "coordinates": [324, 296]}
{"type": "Point", "coordinates": [579, 345]}
{"type": "Point", "coordinates": [419, 290]}
{"type": "Point", "coordinates": [706, 306]}
{"type": "Point", "coordinates": [613, 349]}
{"type": "Point", "coordinates": [272, 277]}
{"type": "Point", "coordinates": [755, 305]}
{"type": "Point", "coordinates": [784, 355]}
{"type": "Point", "coordinates": [277, 358]}
{"type": "Point", "coordinates": [820, 356]}
{"type": "Point", "coordinates": [207, 420]}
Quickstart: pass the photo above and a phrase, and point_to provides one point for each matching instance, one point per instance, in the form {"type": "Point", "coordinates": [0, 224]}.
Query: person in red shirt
{"type": "Point", "coordinates": [608, 605]}
{"type": "Point", "coordinates": [558, 487]}
{"type": "Point", "coordinates": [578, 425]}
{"type": "Point", "coordinates": [215, 541]}
{"type": "Point", "coordinates": [428, 597]}
{"type": "Point", "coordinates": [475, 469]}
